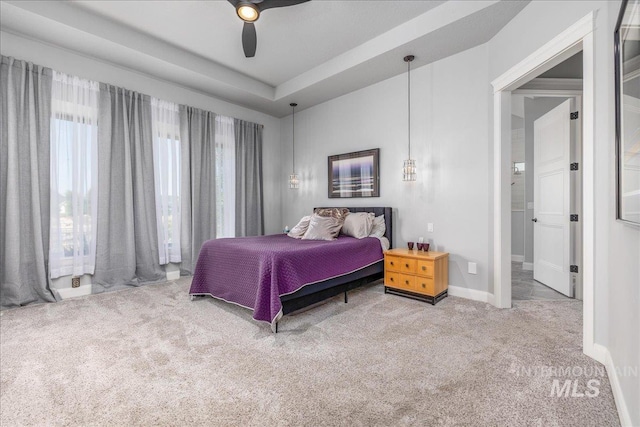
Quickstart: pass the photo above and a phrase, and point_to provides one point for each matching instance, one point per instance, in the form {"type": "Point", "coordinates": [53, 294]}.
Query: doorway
{"type": "Point", "coordinates": [545, 140]}
{"type": "Point", "coordinates": [574, 39]}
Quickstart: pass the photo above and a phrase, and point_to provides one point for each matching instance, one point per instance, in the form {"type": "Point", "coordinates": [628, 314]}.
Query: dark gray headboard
{"type": "Point", "coordinates": [386, 211]}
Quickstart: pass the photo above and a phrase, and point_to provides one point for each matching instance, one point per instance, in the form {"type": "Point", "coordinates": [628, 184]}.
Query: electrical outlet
{"type": "Point", "coordinates": [473, 268]}
{"type": "Point", "coordinates": [430, 227]}
{"type": "Point", "coordinates": [75, 282]}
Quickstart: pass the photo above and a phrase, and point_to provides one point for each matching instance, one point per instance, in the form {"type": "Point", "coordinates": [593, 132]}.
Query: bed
{"type": "Point", "coordinates": [276, 275]}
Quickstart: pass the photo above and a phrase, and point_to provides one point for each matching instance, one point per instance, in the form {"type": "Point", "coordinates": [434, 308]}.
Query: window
{"type": "Point", "coordinates": [225, 177]}
{"type": "Point", "coordinates": [166, 161]}
{"type": "Point", "coordinates": [74, 173]}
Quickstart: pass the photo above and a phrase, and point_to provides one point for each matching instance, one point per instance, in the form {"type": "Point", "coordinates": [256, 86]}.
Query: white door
{"type": "Point", "coordinates": [552, 199]}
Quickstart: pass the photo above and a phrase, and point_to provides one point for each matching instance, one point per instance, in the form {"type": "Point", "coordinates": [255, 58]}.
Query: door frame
{"type": "Point", "coordinates": [578, 37]}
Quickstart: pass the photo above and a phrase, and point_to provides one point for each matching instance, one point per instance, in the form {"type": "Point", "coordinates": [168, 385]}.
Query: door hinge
{"type": "Point", "coordinates": [573, 268]}
{"type": "Point", "coordinates": [573, 166]}
{"type": "Point", "coordinates": [575, 115]}
{"type": "Point", "coordinates": [573, 217]}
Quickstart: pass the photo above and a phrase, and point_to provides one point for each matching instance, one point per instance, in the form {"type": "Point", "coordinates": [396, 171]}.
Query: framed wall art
{"type": "Point", "coordinates": [354, 174]}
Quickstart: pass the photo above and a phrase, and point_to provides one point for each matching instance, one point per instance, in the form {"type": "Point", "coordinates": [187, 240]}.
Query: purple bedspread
{"type": "Point", "coordinates": [255, 271]}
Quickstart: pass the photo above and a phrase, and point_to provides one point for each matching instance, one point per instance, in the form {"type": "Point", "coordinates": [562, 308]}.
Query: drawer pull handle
{"type": "Point", "coordinates": [391, 263]}
{"type": "Point", "coordinates": [406, 282]}
{"type": "Point", "coordinates": [391, 279]}
{"type": "Point", "coordinates": [406, 265]}
{"type": "Point", "coordinates": [424, 268]}
{"type": "Point", "coordinates": [424, 286]}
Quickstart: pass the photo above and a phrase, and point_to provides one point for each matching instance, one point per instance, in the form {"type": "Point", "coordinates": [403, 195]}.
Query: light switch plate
{"type": "Point", "coordinates": [473, 268]}
{"type": "Point", "coordinates": [430, 227]}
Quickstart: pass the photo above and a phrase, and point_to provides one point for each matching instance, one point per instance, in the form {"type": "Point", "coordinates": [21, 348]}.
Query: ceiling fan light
{"type": "Point", "coordinates": [248, 12]}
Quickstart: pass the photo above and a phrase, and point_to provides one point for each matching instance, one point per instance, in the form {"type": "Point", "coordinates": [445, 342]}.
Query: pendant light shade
{"type": "Point", "coordinates": [409, 165]}
{"type": "Point", "coordinates": [409, 170]}
{"type": "Point", "coordinates": [294, 181]}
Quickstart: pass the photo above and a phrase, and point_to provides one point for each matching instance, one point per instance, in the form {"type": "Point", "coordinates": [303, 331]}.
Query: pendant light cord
{"type": "Point", "coordinates": [409, 104]}
{"type": "Point", "coordinates": [293, 136]}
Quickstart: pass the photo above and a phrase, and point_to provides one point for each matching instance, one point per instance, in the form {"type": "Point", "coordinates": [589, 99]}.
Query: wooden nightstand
{"type": "Point", "coordinates": [416, 274]}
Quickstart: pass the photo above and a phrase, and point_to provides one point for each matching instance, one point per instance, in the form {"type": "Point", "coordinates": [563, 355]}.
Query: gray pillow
{"type": "Point", "coordinates": [358, 224]}
{"type": "Point", "coordinates": [323, 228]}
{"type": "Point", "coordinates": [379, 227]}
{"type": "Point", "coordinates": [301, 227]}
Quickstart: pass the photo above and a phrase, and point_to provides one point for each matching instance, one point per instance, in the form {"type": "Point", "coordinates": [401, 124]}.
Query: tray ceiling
{"type": "Point", "coordinates": [308, 53]}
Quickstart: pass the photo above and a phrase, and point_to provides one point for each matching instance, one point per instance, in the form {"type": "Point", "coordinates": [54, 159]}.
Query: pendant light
{"type": "Point", "coordinates": [409, 166]}
{"type": "Point", "coordinates": [294, 181]}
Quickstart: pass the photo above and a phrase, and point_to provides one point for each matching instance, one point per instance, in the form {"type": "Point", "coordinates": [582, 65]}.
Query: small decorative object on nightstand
{"type": "Point", "coordinates": [415, 274]}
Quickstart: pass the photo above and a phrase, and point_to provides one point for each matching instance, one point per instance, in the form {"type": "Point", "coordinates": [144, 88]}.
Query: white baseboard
{"type": "Point", "coordinates": [80, 291]}
{"type": "Point", "coordinates": [597, 352]}
{"type": "Point", "coordinates": [618, 397]}
{"type": "Point", "coordinates": [527, 266]}
{"type": "Point", "coordinates": [173, 275]}
{"type": "Point", "coordinates": [517, 258]}
{"type": "Point", "coordinates": [472, 294]}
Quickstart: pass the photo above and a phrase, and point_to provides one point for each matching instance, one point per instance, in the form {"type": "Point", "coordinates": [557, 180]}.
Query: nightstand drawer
{"type": "Point", "coordinates": [408, 265]}
{"type": "Point", "coordinates": [406, 282]}
{"type": "Point", "coordinates": [425, 268]}
{"type": "Point", "coordinates": [393, 263]}
{"type": "Point", "coordinates": [425, 286]}
{"type": "Point", "coordinates": [391, 278]}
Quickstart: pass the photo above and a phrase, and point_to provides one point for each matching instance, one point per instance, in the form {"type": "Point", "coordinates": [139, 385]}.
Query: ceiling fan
{"type": "Point", "coordinates": [249, 12]}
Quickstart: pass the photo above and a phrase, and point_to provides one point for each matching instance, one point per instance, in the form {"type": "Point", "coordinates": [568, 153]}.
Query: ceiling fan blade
{"type": "Point", "coordinates": [249, 39]}
{"type": "Point", "coordinates": [270, 4]}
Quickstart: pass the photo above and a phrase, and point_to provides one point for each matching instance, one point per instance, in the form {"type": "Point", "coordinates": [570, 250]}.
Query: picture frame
{"type": "Point", "coordinates": [354, 174]}
{"type": "Point", "coordinates": [627, 112]}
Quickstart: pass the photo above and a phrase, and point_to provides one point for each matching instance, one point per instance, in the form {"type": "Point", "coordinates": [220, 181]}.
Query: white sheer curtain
{"type": "Point", "coordinates": [166, 161]}
{"type": "Point", "coordinates": [225, 177]}
{"type": "Point", "coordinates": [74, 175]}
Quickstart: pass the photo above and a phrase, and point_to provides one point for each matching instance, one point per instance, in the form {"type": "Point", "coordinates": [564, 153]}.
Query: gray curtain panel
{"type": "Point", "coordinates": [197, 183]}
{"type": "Point", "coordinates": [25, 117]}
{"type": "Point", "coordinates": [249, 209]}
{"type": "Point", "coordinates": [127, 239]}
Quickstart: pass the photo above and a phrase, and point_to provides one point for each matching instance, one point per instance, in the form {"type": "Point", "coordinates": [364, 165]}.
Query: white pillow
{"type": "Point", "coordinates": [358, 224]}
{"type": "Point", "coordinates": [323, 228]}
{"type": "Point", "coordinates": [379, 227]}
{"type": "Point", "coordinates": [301, 227]}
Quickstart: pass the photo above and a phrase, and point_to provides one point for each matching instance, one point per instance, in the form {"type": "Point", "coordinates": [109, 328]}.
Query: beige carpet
{"type": "Point", "coordinates": [150, 356]}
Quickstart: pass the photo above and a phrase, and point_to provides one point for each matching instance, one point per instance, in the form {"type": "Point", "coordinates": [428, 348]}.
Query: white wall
{"type": "Point", "coordinates": [517, 180]}
{"type": "Point", "coordinates": [517, 235]}
{"type": "Point", "coordinates": [617, 271]}
{"type": "Point", "coordinates": [66, 61]}
{"type": "Point", "coordinates": [449, 142]}
{"type": "Point", "coordinates": [623, 337]}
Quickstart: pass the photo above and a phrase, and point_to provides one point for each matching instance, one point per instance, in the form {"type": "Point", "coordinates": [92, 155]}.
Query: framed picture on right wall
{"type": "Point", "coordinates": [627, 90]}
